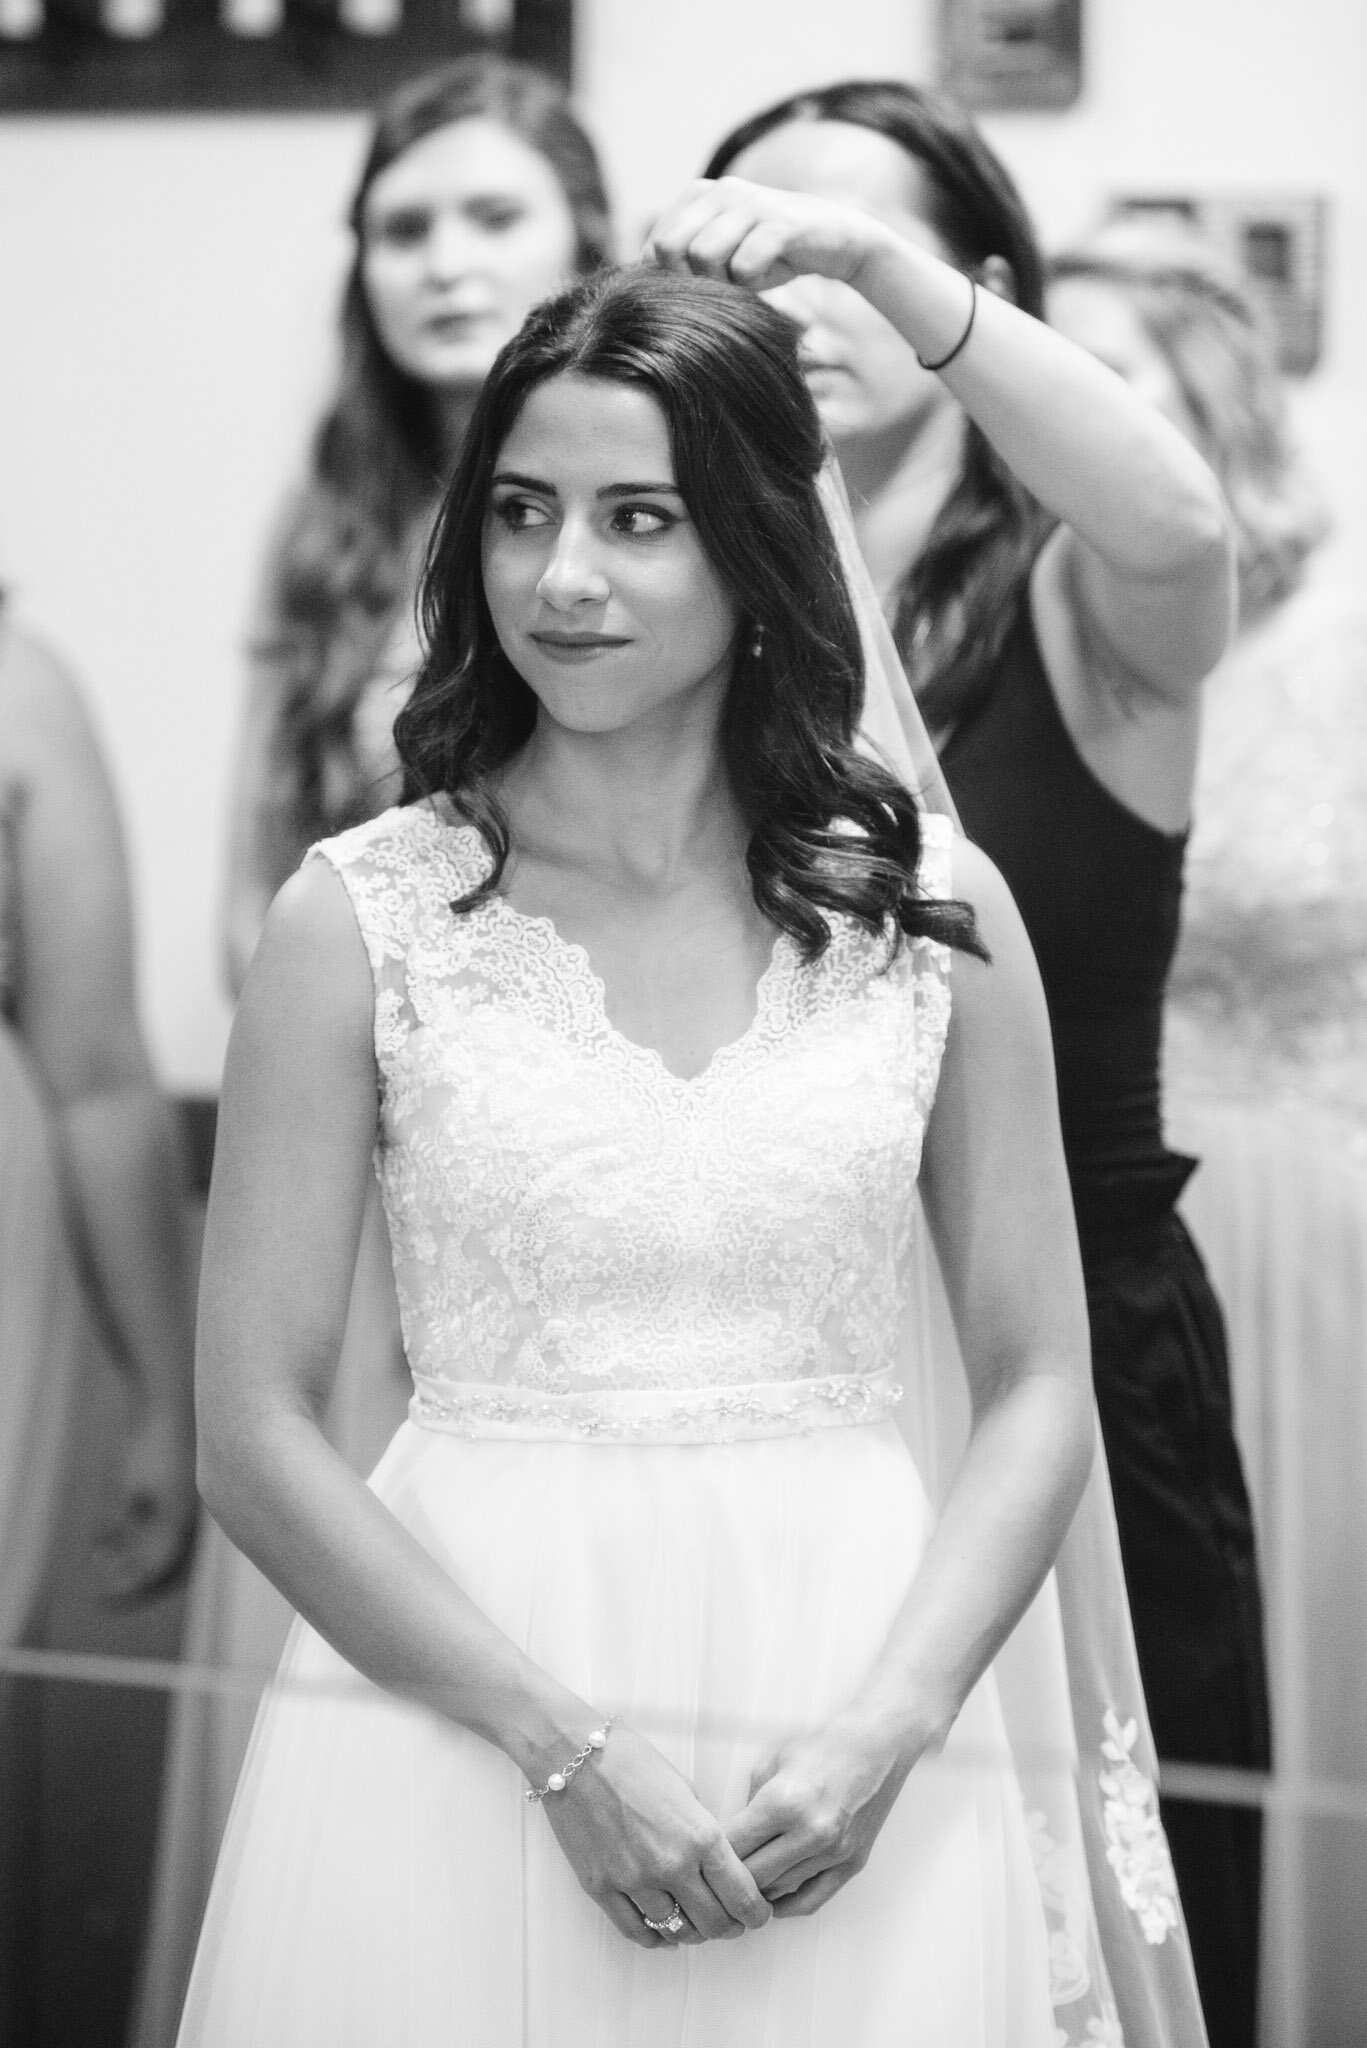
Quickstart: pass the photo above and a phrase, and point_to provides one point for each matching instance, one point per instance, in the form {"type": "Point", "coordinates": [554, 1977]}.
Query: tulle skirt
{"type": "Point", "coordinates": [1279, 1210]}
{"type": "Point", "coordinates": [384, 1880]}
{"type": "Point", "coordinates": [236, 1628]}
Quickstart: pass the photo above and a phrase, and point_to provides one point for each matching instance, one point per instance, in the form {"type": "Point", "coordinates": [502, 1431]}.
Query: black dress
{"type": "Point", "coordinates": [1100, 893]}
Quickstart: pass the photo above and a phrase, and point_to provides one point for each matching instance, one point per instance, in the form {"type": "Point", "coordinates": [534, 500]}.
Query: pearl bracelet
{"type": "Point", "coordinates": [558, 1780]}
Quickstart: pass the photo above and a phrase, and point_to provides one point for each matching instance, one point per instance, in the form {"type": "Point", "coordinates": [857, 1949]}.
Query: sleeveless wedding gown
{"type": "Point", "coordinates": [656, 1327]}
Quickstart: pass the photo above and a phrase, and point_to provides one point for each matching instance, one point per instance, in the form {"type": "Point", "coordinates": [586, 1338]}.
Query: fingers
{"type": "Point", "coordinates": [651, 1904]}
{"type": "Point", "coordinates": [810, 1897]}
{"type": "Point", "coordinates": [712, 1889]}
{"type": "Point", "coordinates": [716, 1894]}
{"type": "Point", "coordinates": [673, 233]}
{"type": "Point", "coordinates": [758, 260]}
{"type": "Point", "coordinates": [628, 1921]}
{"type": "Point", "coordinates": [758, 237]}
{"type": "Point", "coordinates": [759, 1822]}
{"type": "Point", "coordinates": [772, 1864]}
{"type": "Point", "coordinates": [718, 230]}
{"type": "Point", "coordinates": [793, 1839]}
{"type": "Point", "coordinates": [733, 1885]}
{"type": "Point", "coordinates": [700, 238]}
{"type": "Point", "coordinates": [786, 1882]}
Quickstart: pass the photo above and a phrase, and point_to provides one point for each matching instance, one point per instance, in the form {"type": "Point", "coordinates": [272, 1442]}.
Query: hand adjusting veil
{"type": "Point", "coordinates": [1068, 1678]}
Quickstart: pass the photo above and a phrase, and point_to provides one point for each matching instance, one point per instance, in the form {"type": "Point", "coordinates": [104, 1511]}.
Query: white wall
{"type": "Point", "coordinates": [1223, 96]}
{"type": "Point", "coordinates": [167, 301]}
{"type": "Point", "coordinates": [663, 80]}
{"type": "Point", "coordinates": [163, 342]}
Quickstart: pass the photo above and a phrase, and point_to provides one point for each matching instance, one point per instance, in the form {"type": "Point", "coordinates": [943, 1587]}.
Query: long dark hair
{"type": "Point", "coordinates": [349, 555]}
{"type": "Point", "coordinates": [962, 594]}
{"type": "Point", "coordinates": [830, 831]}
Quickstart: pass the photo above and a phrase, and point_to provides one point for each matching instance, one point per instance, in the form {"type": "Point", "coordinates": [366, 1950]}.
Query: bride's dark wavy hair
{"type": "Point", "coordinates": [831, 832]}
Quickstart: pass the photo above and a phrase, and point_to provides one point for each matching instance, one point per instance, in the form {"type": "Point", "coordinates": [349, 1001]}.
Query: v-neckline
{"type": "Point", "coordinates": [579, 964]}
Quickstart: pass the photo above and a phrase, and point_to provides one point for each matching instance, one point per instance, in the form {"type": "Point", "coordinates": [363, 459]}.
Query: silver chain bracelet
{"type": "Point", "coordinates": [558, 1780]}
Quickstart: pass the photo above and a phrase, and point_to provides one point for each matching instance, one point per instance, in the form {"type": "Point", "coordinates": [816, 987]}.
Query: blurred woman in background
{"type": "Point", "coordinates": [73, 1047]}
{"type": "Point", "coordinates": [480, 194]}
{"type": "Point", "coordinates": [1266, 1055]}
{"type": "Point", "coordinates": [95, 1264]}
{"type": "Point", "coordinates": [1059, 584]}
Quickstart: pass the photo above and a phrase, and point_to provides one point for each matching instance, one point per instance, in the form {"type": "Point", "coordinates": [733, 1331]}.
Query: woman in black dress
{"type": "Point", "coordinates": [1058, 601]}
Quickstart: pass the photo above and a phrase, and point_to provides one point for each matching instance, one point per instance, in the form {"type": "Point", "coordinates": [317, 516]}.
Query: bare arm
{"type": "Point", "coordinates": [1146, 538]}
{"type": "Point", "coordinates": [996, 1194]}
{"type": "Point", "coordinates": [296, 1127]}
{"type": "Point", "coordinates": [1135, 592]}
{"type": "Point", "coordinates": [118, 1142]}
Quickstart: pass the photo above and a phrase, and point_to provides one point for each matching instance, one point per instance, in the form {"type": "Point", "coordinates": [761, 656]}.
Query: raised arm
{"type": "Point", "coordinates": [296, 1128]}
{"type": "Point", "coordinates": [1137, 588]}
{"type": "Point", "coordinates": [117, 1139]}
{"type": "Point", "coordinates": [996, 1195]}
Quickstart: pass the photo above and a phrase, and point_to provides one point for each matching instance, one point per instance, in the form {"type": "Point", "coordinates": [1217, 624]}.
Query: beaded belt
{"type": "Point", "coordinates": [692, 1415]}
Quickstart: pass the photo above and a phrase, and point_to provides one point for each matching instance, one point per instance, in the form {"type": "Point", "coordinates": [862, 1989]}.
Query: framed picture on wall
{"type": "Point", "coordinates": [1011, 53]}
{"type": "Point", "coordinates": [1274, 242]}
{"type": "Point", "coordinates": [186, 56]}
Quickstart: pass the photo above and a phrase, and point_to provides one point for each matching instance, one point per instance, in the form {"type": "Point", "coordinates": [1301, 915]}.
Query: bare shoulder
{"type": "Point", "coordinates": [310, 973]}
{"type": "Point", "coordinates": [979, 882]}
{"type": "Point", "coordinates": [1006, 986]}
{"type": "Point", "coordinates": [42, 709]}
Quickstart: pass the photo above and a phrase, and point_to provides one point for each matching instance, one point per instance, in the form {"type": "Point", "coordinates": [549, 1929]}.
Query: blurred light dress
{"type": "Point", "coordinates": [1266, 1066]}
{"type": "Point", "coordinates": [655, 1327]}
{"type": "Point", "coordinates": [44, 1323]}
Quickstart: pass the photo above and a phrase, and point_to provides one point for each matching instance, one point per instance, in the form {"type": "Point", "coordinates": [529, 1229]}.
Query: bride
{"type": "Point", "coordinates": [677, 1720]}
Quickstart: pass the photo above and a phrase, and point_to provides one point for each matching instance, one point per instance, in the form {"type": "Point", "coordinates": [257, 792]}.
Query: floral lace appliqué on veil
{"type": "Point", "coordinates": [1136, 1847]}
{"type": "Point", "coordinates": [1066, 1910]}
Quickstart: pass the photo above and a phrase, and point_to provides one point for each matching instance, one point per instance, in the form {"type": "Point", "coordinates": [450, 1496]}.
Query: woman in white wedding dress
{"type": "Point", "coordinates": [677, 1722]}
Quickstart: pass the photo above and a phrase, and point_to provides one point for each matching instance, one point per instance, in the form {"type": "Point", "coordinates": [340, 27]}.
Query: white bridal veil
{"type": "Point", "coordinates": [1071, 1697]}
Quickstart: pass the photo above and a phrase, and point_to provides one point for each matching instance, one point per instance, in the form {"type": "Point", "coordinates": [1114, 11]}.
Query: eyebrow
{"type": "Point", "coordinates": [548, 490]}
{"type": "Point", "coordinates": [424, 203]}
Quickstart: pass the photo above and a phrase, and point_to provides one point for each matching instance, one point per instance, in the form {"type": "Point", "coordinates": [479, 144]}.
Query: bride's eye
{"type": "Point", "coordinates": [519, 514]}
{"type": "Point", "coordinates": [638, 522]}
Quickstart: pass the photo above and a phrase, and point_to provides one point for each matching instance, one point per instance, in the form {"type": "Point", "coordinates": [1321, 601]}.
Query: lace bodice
{"type": "Point", "coordinates": [568, 1217]}
{"type": "Point", "coordinates": [1268, 998]}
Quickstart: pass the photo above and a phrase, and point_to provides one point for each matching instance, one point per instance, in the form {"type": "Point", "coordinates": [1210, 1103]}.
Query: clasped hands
{"type": "Point", "coordinates": [641, 1842]}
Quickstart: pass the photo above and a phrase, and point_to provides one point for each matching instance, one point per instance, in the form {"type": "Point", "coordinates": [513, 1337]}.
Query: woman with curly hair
{"type": "Point", "coordinates": [1265, 1056]}
{"type": "Point", "coordinates": [480, 193]}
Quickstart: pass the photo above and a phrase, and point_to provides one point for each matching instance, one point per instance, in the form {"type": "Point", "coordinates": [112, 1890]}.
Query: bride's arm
{"type": "Point", "coordinates": [1148, 542]}
{"type": "Point", "coordinates": [997, 1198]}
{"type": "Point", "coordinates": [296, 1128]}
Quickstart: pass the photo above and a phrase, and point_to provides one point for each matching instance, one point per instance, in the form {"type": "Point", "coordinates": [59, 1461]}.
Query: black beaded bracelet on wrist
{"type": "Point", "coordinates": [558, 1780]}
{"type": "Point", "coordinates": [962, 342]}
